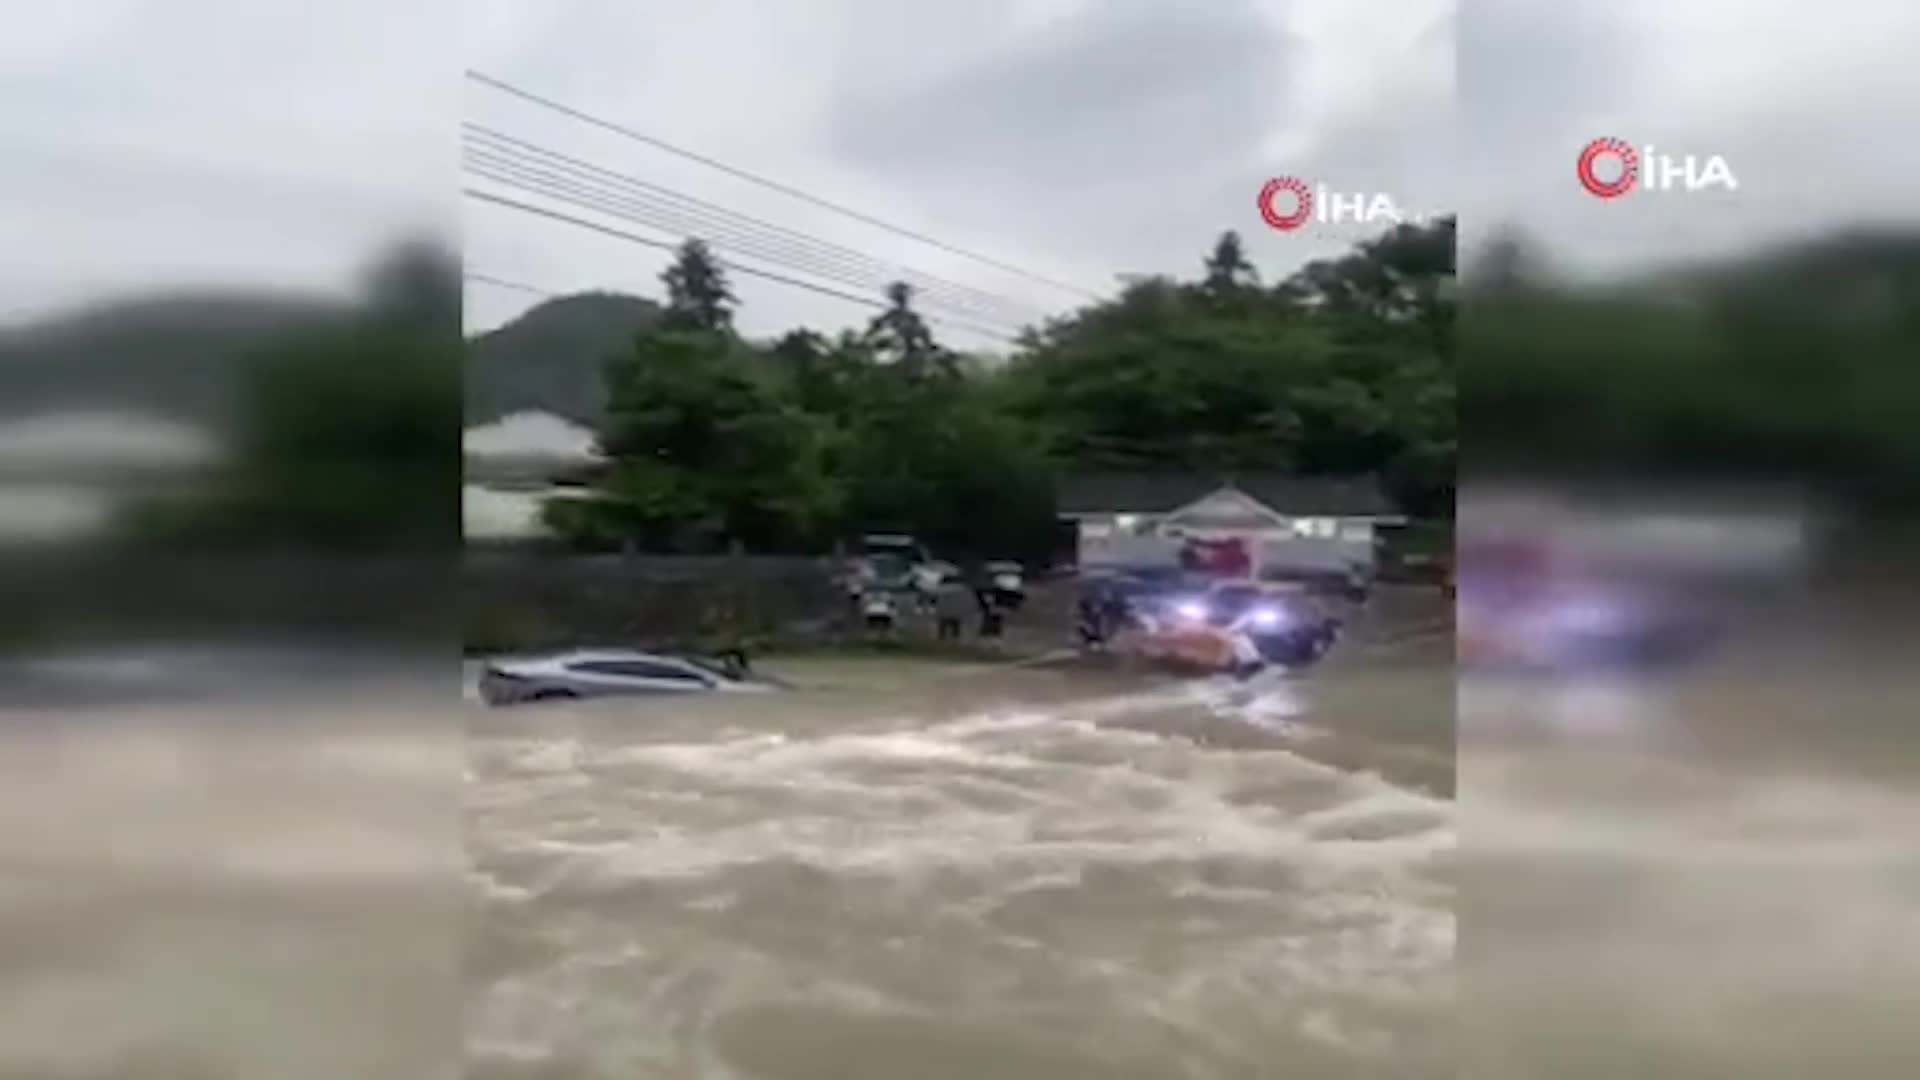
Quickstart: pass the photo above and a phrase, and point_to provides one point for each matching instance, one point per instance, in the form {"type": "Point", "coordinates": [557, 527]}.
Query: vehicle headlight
{"type": "Point", "coordinates": [1267, 618]}
{"type": "Point", "coordinates": [1191, 610]}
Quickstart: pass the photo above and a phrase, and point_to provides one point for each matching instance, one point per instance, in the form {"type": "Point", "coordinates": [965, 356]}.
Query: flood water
{"type": "Point", "coordinates": [1007, 875]}
{"type": "Point", "coordinates": [970, 874]}
{"type": "Point", "coordinates": [1712, 876]}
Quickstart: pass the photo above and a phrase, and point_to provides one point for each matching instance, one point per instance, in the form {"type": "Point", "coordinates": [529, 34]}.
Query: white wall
{"type": "Point", "coordinates": [1352, 545]}
{"type": "Point", "coordinates": [1126, 550]}
{"type": "Point", "coordinates": [487, 514]}
{"type": "Point", "coordinates": [1303, 555]}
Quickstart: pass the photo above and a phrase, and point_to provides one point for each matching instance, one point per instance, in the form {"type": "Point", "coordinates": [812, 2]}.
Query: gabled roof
{"type": "Point", "coordinates": [1225, 507]}
{"type": "Point", "coordinates": [1165, 492]}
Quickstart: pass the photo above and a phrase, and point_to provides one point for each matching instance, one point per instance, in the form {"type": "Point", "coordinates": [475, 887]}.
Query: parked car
{"type": "Point", "coordinates": [928, 575]}
{"type": "Point", "coordinates": [593, 673]}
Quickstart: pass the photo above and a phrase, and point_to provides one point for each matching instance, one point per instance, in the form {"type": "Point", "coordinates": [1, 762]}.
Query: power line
{"type": "Point", "coordinates": [869, 287]}
{"type": "Point", "coordinates": [750, 271]}
{"type": "Point", "coordinates": [601, 205]}
{"type": "Point", "coordinates": [502, 283]}
{"type": "Point", "coordinates": [513, 146]}
{"type": "Point", "coordinates": [851, 269]}
{"type": "Point", "coordinates": [499, 149]}
{"type": "Point", "coordinates": [783, 255]}
{"type": "Point", "coordinates": [772, 185]}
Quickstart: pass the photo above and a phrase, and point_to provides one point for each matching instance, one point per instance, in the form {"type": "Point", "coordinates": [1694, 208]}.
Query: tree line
{"type": "Point", "coordinates": [713, 440]}
{"type": "Point", "coordinates": [1796, 362]}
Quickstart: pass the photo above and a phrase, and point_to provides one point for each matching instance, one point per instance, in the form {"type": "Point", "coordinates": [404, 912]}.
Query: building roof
{"type": "Point", "coordinates": [537, 437]}
{"type": "Point", "coordinates": [1283, 493]}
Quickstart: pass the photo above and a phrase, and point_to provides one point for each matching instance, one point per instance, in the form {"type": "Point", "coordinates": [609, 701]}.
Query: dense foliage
{"type": "Point", "coordinates": [1795, 364]}
{"type": "Point", "coordinates": [347, 438]}
{"type": "Point", "coordinates": [1344, 368]}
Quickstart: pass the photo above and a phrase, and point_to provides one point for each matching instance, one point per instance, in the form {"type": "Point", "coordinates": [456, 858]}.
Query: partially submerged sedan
{"type": "Point", "coordinates": [593, 673]}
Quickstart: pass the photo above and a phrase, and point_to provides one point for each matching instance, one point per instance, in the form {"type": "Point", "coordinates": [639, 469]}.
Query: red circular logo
{"type": "Point", "coordinates": [1619, 185]}
{"type": "Point", "coordinates": [1302, 202]}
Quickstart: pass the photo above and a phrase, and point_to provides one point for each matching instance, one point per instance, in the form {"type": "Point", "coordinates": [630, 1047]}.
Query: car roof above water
{"type": "Point", "coordinates": [582, 656]}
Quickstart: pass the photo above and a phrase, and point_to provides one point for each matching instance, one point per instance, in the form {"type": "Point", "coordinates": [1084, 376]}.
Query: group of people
{"type": "Point", "coordinates": [950, 603]}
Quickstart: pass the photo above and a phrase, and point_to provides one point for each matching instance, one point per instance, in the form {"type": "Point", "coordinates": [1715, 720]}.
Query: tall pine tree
{"type": "Point", "coordinates": [698, 296]}
{"type": "Point", "coordinates": [901, 336]}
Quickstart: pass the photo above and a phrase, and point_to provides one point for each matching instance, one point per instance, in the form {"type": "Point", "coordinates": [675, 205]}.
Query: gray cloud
{"type": "Point", "coordinates": [1128, 133]}
{"type": "Point", "coordinates": [1811, 108]}
{"type": "Point", "coordinates": [216, 143]}
{"type": "Point", "coordinates": [1143, 92]}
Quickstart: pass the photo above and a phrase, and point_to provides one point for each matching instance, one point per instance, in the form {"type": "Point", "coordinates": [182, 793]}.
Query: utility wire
{"type": "Point", "coordinates": [601, 205]}
{"type": "Point", "coordinates": [724, 236]}
{"type": "Point", "coordinates": [502, 283]}
{"type": "Point", "coordinates": [505, 149]}
{"type": "Point", "coordinates": [750, 271]}
{"type": "Point", "coordinates": [772, 185]}
{"type": "Point", "coordinates": [745, 239]}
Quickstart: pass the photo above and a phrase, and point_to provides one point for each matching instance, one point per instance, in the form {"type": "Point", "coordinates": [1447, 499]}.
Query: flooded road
{"type": "Point", "coordinates": [958, 872]}
{"type": "Point", "coordinates": [1003, 874]}
{"type": "Point", "coordinates": [1712, 875]}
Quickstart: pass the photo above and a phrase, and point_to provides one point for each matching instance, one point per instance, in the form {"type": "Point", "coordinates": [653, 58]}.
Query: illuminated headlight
{"type": "Point", "coordinates": [1267, 618]}
{"type": "Point", "coordinates": [1191, 610]}
{"type": "Point", "coordinates": [1591, 617]}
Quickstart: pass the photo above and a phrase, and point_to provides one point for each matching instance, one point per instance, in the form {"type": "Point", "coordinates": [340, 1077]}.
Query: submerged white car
{"type": "Point", "coordinates": [592, 673]}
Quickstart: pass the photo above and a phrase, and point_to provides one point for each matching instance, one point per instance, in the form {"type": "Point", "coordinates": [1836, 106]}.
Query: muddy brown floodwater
{"type": "Point", "coordinates": [1004, 874]}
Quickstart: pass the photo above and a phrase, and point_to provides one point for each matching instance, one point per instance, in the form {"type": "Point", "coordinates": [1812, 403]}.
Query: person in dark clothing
{"type": "Point", "coordinates": [1093, 623]}
{"type": "Point", "coordinates": [991, 617]}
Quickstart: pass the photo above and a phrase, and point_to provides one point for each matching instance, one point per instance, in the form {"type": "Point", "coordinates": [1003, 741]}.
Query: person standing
{"type": "Point", "coordinates": [990, 614]}
{"type": "Point", "coordinates": [1093, 621]}
{"type": "Point", "coordinates": [950, 606]}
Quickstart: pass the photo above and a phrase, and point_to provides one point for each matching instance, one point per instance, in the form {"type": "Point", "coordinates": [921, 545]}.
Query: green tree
{"type": "Point", "coordinates": [900, 336]}
{"type": "Point", "coordinates": [349, 434]}
{"type": "Point", "coordinates": [698, 295]}
{"type": "Point", "coordinates": [703, 453]}
{"type": "Point", "coordinates": [1342, 368]}
{"type": "Point", "coordinates": [1228, 273]}
{"type": "Point", "coordinates": [1787, 364]}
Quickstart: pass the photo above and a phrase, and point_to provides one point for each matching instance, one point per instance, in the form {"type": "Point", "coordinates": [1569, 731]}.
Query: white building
{"type": "Point", "coordinates": [510, 466]}
{"type": "Point", "coordinates": [1288, 525]}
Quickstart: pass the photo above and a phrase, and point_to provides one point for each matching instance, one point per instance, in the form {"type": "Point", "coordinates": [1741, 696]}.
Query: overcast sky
{"type": "Point", "coordinates": [237, 143]}
{"type": "Point", "coordinates": [1077, 141]}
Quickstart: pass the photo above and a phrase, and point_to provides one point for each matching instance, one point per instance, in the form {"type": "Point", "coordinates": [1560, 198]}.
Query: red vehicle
{"type": "Point", "coordinates": [1229, 557]}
